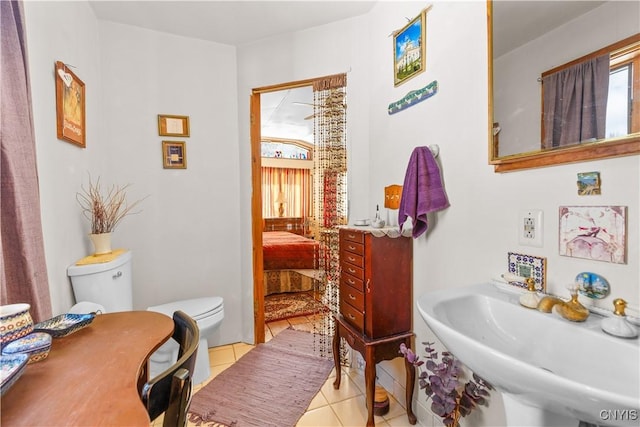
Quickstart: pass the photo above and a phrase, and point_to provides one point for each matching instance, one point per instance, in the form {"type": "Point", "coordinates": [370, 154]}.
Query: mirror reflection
{"type": "Point", "coordinates": [564, 73]}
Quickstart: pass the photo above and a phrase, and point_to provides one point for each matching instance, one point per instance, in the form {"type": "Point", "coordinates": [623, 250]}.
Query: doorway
{"type": "Point", "coordinates": [329, 206]}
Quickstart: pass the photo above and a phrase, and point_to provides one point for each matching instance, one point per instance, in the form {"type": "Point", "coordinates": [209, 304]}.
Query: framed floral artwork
{"type": "Point", "coordinates": [597, 233]}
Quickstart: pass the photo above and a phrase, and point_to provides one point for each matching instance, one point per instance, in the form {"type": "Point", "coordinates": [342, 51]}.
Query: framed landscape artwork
{"type": "Point", "coordinates": [409, 53]}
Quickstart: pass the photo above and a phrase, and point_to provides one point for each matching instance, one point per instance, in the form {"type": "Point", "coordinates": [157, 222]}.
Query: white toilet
{"type": "Point", "coordinates": [110, 285]}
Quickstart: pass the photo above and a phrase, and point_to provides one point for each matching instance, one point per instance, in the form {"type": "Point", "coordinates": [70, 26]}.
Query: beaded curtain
{"type": "Point", "coordinates": [330, 198]}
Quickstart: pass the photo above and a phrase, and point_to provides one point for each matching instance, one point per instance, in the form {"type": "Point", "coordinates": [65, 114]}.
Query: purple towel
{"type": "Point", "coordinates": [422, 191]}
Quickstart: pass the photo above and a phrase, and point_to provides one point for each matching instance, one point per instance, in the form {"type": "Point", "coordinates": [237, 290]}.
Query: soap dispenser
{"type": "Point", "coordinates": [530, 299]}
{"type": "Point", "coordinates": [618, 324]}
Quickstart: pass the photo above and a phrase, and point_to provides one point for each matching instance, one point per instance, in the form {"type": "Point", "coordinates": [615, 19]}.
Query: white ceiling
{"type": "Point", "coordinates": [230, 22]}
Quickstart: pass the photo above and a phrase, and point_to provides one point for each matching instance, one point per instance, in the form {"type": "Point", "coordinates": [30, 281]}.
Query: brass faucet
{"type": "Point", "coordinates": [572, 310]}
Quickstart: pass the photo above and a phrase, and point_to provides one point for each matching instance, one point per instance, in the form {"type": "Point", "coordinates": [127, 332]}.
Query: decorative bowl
{"type": "Point", "coordinates": [11, 368]}
{"type": "Point", "coordinates": [64, 324]}
{"type": "Point", "coordinates": [15, 322]}
{"type": "Point", "coordinates": [35, 345]}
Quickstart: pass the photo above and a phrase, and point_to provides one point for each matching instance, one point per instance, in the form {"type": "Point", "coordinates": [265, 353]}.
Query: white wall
{"type": "Point", "coordinates": [64, 31]}
{"type": "Point", "coordinates": [517, 97]}
{"type": "Point", "coordinates": [469, 241]}
{"type": "Point", "coordinates": [184, 241]}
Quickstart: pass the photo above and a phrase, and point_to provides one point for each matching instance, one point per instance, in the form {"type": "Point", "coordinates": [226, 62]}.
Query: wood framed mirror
{"type": "Point", "coordinates": [523, 40]}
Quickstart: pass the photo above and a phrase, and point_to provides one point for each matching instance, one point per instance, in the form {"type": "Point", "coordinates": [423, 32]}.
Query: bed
{"type": "Point", "coordinates": [282, 250]}
{"type": "Point", "coordinates": [288, 261]}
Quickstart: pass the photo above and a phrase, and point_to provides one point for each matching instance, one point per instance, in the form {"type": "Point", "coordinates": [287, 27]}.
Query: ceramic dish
{"type": "Point", "coordinates": [361, 222]}
{"type": "Point", "coordinates": [15, 322]}
{"type": "Point", "coordinates": [36, 345]}
{"type": "Point", "coordinates": [64, 324]}
{"type": "Point", "coordinates": [11, 368]}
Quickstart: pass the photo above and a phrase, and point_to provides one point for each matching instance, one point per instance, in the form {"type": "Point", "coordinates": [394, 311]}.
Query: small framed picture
{"type": "Point", "coordinates": [529, 266]}
{"type": "Point", "coordinates": [173, 125]}
{"type": "Point", "coordinates": [409, 53]}
{"type": "Point", "coordinates": [70, 106]}
{"type": "Point", "coordinates": [174, 155]}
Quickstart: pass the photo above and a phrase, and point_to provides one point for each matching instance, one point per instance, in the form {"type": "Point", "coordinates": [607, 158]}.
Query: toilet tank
{"type": "Point", "coordinates": [109, 284]}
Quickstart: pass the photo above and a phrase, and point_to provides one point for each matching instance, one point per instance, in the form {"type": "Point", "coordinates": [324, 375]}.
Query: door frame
{"type": "Point", "coordinates": [256, 201]}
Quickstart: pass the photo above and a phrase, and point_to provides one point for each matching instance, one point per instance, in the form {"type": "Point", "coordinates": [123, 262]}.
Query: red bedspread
{"type": "Point", "coordinates": [283, 250]}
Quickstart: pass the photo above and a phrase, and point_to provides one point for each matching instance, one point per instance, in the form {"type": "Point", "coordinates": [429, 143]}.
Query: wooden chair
{"type": "Point", "coordinates": [170, 391]}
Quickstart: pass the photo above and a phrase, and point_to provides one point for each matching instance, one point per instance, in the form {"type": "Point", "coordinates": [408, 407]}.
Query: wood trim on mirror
{"type": "Point", "coordinates": [627, 146]}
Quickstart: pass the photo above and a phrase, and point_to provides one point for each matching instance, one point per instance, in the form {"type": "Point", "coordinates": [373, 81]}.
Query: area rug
{"type": "Point", "coordinates": [270, 386]}
{"type": "Point", "coordinates": [291, 304]}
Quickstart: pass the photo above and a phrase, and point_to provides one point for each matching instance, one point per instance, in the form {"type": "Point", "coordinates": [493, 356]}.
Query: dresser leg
{"type": "Point", "coordinates": [410, 383]}
{"type": "Point", "coordinates": [336, 356]}
{"type": "Point", "coordinates": [370, 382]}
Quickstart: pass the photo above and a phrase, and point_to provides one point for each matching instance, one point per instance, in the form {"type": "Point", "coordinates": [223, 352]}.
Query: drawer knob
{"type": "Point", "coordinates": [351, 316]}
{"type": "Point", "coordinates": [351, 297]}
{"type": "Point", "coordinates": [353, 248]}
{"type": "Point", "coordinates": [352, 236]}
{"type": "Point", "coordinates": [351, 258]}
{"type": "Point", "coordinates": [351, 270]}
{"type": "Point", "coordinates": [351, 281]}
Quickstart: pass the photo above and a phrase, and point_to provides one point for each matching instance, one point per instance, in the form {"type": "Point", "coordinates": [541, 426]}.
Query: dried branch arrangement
{"type": "Point", "coordinates": [105, 210]}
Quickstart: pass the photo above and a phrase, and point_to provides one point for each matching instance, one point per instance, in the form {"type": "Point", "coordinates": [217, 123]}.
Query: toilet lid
{"type": "Point", "coordinates": [197, 308]}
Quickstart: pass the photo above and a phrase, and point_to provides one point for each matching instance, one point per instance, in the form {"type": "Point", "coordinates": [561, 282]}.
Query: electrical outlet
{"type": "Point", "coordinates": [530, 227]}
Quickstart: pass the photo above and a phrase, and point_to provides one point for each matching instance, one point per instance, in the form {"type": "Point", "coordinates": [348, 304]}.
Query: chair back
{"type": "Point", "coordinates": [170, 391]}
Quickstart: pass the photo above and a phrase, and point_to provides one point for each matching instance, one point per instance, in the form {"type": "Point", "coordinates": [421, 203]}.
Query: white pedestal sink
{"type": "Point", "coordinates": [551, 371]}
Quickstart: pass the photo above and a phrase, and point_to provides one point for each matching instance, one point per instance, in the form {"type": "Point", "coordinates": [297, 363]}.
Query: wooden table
{"type": "Point", "coordinates": [374, 351]}
{"type": "Point", "coordinates": [92, 376]}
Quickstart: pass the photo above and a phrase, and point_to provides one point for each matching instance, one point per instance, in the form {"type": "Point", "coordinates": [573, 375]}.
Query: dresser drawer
{"type": "Point", "coordinates": [353, 247]}
{"type": "Point", "coordinates": [353, 297]}
{"type": "Point", "coordinates": [352, 258]}
{"type": "Point", "coordinates": [352, 236]}
{"type": "Point", "coordinates": [351, 269]}
{"type": "Point", "coordinates": [351, 315]}
{"type": "Point", "coordinates": [353, 281]}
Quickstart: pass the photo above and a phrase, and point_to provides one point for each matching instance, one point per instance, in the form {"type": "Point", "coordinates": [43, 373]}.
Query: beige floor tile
{"type": "Point", "coordinates": [400, 421]}
{"type": "Point", "coordinates": [347, 390]}
{"type": "Point", "coordinates": [395, 410]}
{"type": "Point", "coordinates": [215, 370]}
{"type": "Point", "coordinates": [221, 355]}
{"type": "Point", "coordinates": [298, 320]}
{"type": "Point", "coordinates": [318, 401]}
{"type": "Point", "coordinates": [240, 349]}
{"type": "Point", "coordinates": [320, 417]}
{"type": "Point", "coordinates": [353, 413]}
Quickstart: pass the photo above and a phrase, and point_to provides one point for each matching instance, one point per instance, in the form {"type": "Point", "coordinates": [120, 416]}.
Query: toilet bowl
{"type": "Point", "coordinates": [108, 287]}
{"type": "Point", "coordinates": [208, 313]}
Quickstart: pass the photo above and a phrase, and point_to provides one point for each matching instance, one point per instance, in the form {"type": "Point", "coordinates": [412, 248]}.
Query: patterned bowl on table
{"type": "Point", "coordinates": [35, 345]}
{"type": "Point", "coordinates": [11, 368]}
{"type": "Point", "coordinates": [15, 322]}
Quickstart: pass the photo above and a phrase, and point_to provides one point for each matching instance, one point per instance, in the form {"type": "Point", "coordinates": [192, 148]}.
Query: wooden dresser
{"type": "Point", "coordinates": [375, 282]}
{"type": "Point", "coordinates": [375, 305]}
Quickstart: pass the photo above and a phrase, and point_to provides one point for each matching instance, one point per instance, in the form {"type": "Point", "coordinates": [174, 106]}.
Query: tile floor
{"type": "Point", "coordinates": [329, 408]}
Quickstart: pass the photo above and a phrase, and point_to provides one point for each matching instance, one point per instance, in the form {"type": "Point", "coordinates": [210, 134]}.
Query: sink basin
{"type": "Point", "coordinates": [544, 365]}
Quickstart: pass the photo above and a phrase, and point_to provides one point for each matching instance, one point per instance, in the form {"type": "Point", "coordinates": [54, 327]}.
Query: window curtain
{"type": "Point", "coordinates": [23, 269]}
{"type": "Point", "coordinates": [292, 186]}
{"type": "Point", "coordinates": [575, 103]}
{"type": "Point", "coordinates": [330, 198]}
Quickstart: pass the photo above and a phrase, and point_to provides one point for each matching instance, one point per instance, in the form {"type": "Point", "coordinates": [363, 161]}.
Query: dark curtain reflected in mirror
{"type": "Point", "coordinates": [596, 116]}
